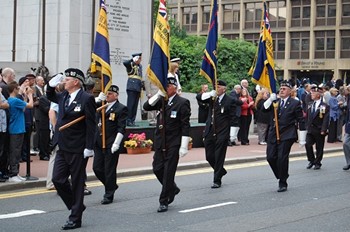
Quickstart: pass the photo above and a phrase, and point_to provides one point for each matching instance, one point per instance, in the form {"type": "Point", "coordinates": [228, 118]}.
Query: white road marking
{"type": "Point", "coordinates": [207, 207]}
{"type": "Point", "coordinates": [21, 214]}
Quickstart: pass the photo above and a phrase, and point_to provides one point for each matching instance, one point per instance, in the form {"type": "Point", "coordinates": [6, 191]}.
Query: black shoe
{"type": "Point", "coordinates": [317, 166]}
{"type": "Point", "coordinates": [229, 143]}
{"type": "Point", "coordinates": [282, 189]}
{"type": "Point", "coordinates": [310, 165]}
{"type": "Point", "coordinates": [71, 225]}
{"type": "Point", "coordinates": [106, 201]}
{"type": "Point", "coordinates": [45, 158]}
{"type": "Point", "coordinates": [172, 197]}
{"type": "Point", "coordinates": [87, 192]}
{"type": "Point", "coordinates": [216, 185]}
{"type": "Point", "coordinates": [346, 167]}
{"type": "Point", "coordinates": [162, 208]}
{"type": "Point", "coordinates": [234, 143]}
{"type": "Point", "coordinates": [2, 180]}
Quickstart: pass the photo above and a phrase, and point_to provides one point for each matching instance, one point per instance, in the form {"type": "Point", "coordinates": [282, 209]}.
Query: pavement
{"type": "Point", "coordinates": [130, 165]}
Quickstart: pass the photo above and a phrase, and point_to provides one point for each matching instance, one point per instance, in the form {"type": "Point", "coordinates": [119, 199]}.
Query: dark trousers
{"type": "Point", "coordinates": [244, 129]}
{"type": "Point", "coordinates": [4, 152]}
{"type": "Point", "coordinates": [16, 143]}
{"type": "Point", "coordinates": [132, 103]}
{"type": "Point", "coordinates": [44, 143]}
{"type": "Point", "coordinates": [105, 169]}
{"type": "Point", "coordinates": [26, 144]}
{"type": "Point", "coordinates": [278, 158]}
{"type": "Point", "coordinates": [332, 132]}
{"type": "Point", "coordinates": [215, 154]}
{"type": "Point", "coordinates": [164, 167]}
{"type": "Point", "coordinates": [73, 165]}
{"type": "Point", "coordinates": [312, 139]}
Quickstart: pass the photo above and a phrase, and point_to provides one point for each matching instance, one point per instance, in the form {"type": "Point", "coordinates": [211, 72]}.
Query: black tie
{"type": "Point", "coordinates": [282, 104]}
{"type": "Point", "coordinates": [66, 103]}
{"type": "Point", "coordinates": [314, 108]}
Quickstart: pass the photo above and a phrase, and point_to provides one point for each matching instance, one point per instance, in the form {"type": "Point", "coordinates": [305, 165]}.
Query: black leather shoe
{"type": "Point", "coordinates": [317, 166]}
{"type": "Point", "coordinates": [346, 167]}
{"type": "Point", "coordinates": [106, 201]}
{"type": "Point", "coordinates": [172, 197]}
{"type": "Point", "coordinates": [282, 189]}
{"type": "Point", "coordinates": [162, 208]}
{"type": "Point", "coordinates": [216, 185]}
{"type": "Point", "coordinates": [87, 192]}
{"type": "Point", "coordinates": [309, 165]}
{"type": "Point", "coordinates": [71, 225]}
{"type": "Point", "coordinates": [45, 158]}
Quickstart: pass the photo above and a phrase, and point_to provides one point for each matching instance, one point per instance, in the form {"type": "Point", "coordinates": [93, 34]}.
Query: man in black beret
{"type": "Point", "coordinates": [134, 86]}
{"type": "Point", "coordinates": [290, 114]}
{"type": "Point", "coordinates": [222, 114]}
{"type": "Point", "coordinates": [106, 160]}
{"type": "Point", "coordinates": [75, 142]}
{"type": "Point", "coordinates": [171, 139]}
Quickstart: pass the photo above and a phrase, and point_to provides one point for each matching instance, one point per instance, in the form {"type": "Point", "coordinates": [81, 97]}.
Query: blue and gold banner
{"type": "Point", "coordinates": [209, 63]}
{"type": "Point", "coordinates": [100, 54]}
{"type": "Point", "coordinates": [263, 68]}
{"type": "Point", "coordinates": [157, 70]}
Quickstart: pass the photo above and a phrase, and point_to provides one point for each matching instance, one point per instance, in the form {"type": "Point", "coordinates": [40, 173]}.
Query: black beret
{"type": "Point", "coordinates": [287, 84]}
{"type": "Point", "coordinates": [76, 73]}
{"type": "Point", "coordinates": [172, 80]}
{"type": "Point", "coordinates": [22, 80]}
{"type": "Point", "coordinates": [137, 54]}
{"type": "Point", "coordinates": [315, 88]}
{"type": "Point", "coordinates": [114, 88]}
{"type": "Point", "coordinates": [221, 82]}
{"type": "Point", "coordinates": [30, 76]}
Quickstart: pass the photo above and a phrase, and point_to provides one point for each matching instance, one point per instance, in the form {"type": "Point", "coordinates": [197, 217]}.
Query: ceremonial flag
{"type": "Point", "coordinates": [157, 70]}
{"type": "Point", "coordinates": [100, 54]}
{"type": "Point", "coordinates": [263, 68]}
{"type": "Point", "coordinates": [209, 63]}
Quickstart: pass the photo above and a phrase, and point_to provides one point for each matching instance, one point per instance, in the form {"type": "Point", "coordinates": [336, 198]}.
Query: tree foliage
{"type": "Point", "coordinates": [234, 60]}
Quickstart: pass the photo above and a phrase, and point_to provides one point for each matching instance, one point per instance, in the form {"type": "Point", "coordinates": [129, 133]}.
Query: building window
{"type": "Point", "coordinates": [346, 13]}
{"type": "Point", "coordinates": [300, 44]}
{"type": "Point", "coordinates": [279, 45]}
{"type": "Point", "coordinates": [231, 16]}
{"type": "Point", "coordinates": [189, 19]}
{"type": "Point", "coordinates": [301, 13]}
{"type": "Point", "coordinates": [345, 44]}
{"type": "Point", "coordinates": [253, 38]}
{"type": "Point", "coordinates": [325, 12]}
{"type": "Point", "coordinates": [277, 13]}
{"type": "Point", "coordinates": [253, 15]}
{"type": "Point", "coordinates": [206, 18]}
{"type": "Point", "coordinates": [173, 14]}
{"type": "Point", "coordinates": [231, 36]}
{"type": "Point", "coordinates": [325, 44]}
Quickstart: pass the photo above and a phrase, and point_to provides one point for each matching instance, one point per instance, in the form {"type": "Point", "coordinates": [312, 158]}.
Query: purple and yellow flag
{"type": "Point", "coordinates": [263, 68]}
{"type": "Point", "coordinates": [100, 54]}
{"type": "Point", "coordinates": [209, 63]}
{"type": "Point", "coordinates": [157, 70]}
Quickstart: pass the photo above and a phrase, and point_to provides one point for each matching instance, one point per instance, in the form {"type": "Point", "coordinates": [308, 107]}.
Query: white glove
{"type": "Point", "coordinates": [302, 138]}
{"type": "Point", "coordinates": [184, 146]}
{"type": "Point", "coordinates": [233, 133]}
{"type": "Point", "coordinates": [155, 98]}
{"type": "Point", "coordinates": [135, 58]}
{"type": "Point", "coordinates": [269, 101]}
{"type": "Point", "coordinates": [101, 97]}
{"type": "Point", "coordinates": [117, 141]}
{"type": "Point", "coordinates": [56, 79]}
{"type": "Point", "coordinates": [88, 153]}
{"type": "Point", "coordinates": [209, 94]}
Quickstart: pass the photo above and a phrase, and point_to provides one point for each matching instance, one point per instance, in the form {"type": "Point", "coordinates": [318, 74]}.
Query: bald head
{"type": "Point", "coordinates": [8, 75]}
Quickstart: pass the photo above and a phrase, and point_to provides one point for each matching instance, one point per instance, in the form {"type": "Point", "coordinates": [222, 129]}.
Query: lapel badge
{"type": "Point", "coordinates": [112, 116]}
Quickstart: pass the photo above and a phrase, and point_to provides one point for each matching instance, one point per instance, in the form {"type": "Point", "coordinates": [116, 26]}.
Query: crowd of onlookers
{"type": "Point", "coordinates": [24, 122]}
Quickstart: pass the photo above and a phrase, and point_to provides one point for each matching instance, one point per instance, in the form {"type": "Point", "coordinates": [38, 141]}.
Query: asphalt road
{"type": "Point", "coordinates": [316, 200]}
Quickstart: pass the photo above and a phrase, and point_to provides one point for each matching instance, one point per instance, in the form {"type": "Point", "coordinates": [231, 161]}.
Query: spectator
{"type": "Point", "coordinates": [262, 117]}
{"type": "Point", "coordinates": [3, 133]}
{"type": "Point", "coordinates": [17, 127]}
{"type": "Point", "coordinates": [246, 116]}
{"type": "Point", "coordinates": [235, 94]}
{"type": "Point", "coordinates": [333, 116]}
{"type": "Point", "coordinates": [342, 111]}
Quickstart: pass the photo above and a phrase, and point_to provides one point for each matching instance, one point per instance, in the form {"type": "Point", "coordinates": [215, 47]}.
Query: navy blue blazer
{"type": "Point", "coordinates": [81, 135]}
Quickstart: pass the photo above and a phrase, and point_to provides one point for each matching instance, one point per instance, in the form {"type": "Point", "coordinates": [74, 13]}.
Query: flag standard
{"type": "Point", "coordinates": [157, 70]}
{"type": "Point", "coordinates": [263, 68]}
{"type": "Point", "coordinates": [100, 54]}
{"type": "Point", "coordinates": [209, 63]}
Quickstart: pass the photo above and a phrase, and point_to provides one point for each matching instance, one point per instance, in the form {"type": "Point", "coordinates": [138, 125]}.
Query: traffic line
{"type": "Point", "coordinates": [208, 207]}
{"type": "Point", "coordinates": [21, 214]}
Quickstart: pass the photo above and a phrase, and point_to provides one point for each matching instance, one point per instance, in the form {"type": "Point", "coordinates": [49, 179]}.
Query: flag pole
{"type": "Point", "coordinates": [103, 114]}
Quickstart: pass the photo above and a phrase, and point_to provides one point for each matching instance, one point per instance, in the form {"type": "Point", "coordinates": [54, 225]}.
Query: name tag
{"type": "Point", "coordinates": [173, 114]}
